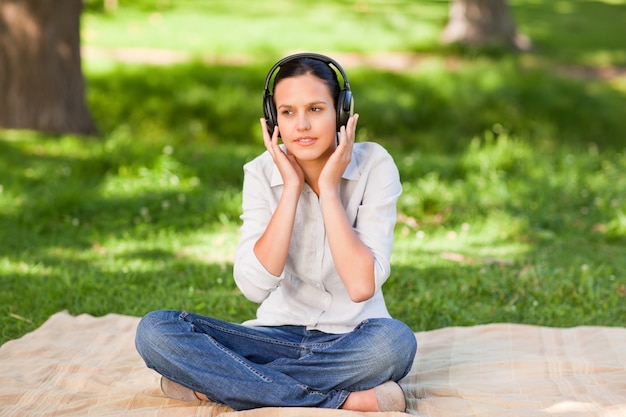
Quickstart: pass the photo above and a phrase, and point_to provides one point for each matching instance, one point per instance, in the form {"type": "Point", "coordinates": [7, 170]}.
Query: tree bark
{"type": "Point", "coordinates": [482, 23]}
{"type": "Point", "coordinates": [41, 79]}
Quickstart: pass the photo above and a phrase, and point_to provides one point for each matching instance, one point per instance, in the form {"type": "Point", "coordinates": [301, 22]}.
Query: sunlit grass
{"type": "Point", "coordinates": [497, 232]}
{"type": "Point", "coordinates": [575, 32]}
{"type": "Point", "coordinates": [513, 171]}
{"type": "Point", "coordinates": [567, 31]}
{"type": "Point", "coordinates": [256, 29]}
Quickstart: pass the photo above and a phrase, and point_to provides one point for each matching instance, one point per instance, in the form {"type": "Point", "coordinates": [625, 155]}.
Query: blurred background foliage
{"type": "Point", "coordinates": [513, 164]}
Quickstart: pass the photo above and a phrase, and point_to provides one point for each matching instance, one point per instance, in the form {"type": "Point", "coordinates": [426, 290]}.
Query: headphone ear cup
{"type": "Point", "coordinates": [269, 110]}
{"type": "Point", "coordinates": [345, 107]}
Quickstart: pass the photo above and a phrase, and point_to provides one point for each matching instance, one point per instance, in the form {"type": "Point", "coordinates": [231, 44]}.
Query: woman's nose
{"type": "Point", "coordinates": [303, 122]}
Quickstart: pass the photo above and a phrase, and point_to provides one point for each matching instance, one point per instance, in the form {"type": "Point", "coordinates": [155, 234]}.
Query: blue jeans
{"type": "Point", "coordinates": [284, 366]}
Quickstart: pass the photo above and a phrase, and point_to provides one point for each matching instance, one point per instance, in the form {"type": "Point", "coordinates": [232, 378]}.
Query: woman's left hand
{"type": "Point", "coordinates": [339, 160]}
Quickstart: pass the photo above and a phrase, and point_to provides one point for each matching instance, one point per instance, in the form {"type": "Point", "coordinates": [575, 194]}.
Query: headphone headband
{"type": "Point", "coordinates": [319, 57]}
{"type": "Point", "coordinates": [345, 101]}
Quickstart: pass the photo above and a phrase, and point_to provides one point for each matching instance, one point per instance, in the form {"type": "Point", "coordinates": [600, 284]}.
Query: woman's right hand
{"type": "Point", "coordinates": [272, 247]}
{"type": "Point", "coordinates": [290, 170]}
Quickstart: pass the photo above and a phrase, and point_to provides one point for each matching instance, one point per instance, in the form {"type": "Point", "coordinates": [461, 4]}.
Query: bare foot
{"type": "Point", "coordinates": [201, 396]}
{"type": "Point", "coordinates": [385, 397]}
{"type": "Point", "coordinates": [361, 401]}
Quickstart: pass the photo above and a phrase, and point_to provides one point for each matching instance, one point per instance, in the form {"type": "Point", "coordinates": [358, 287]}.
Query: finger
{"type": "Point", "coordinates": [342, 136]}
{"type": "Point", "coordinates": [275, 135]}
{"type": "Point", "coordinates": [267, 141]}
{"type": "Point", "coordinates": [351, 125]}
{"type": "Point", "coordinates": [347, 132]}
{"type": "Point", "coordinates": [354, 120]}
{"type": "Point", "coordinates": [351, 129]}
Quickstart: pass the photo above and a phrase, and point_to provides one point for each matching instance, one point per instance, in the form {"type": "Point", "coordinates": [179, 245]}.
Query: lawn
{"type": "Point", "coordinates": [513, 169]}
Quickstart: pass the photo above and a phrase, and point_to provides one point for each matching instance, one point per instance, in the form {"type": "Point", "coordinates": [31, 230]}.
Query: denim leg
{"type": "Point", "coordinates": [226, 361]}
{"type": "Point", "coordinates": [248, 367]}
{"type": "Point", "coordinates": [376, 351]}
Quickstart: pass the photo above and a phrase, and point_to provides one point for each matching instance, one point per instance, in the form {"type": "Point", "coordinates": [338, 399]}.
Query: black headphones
{"type": "Point", "coordinates": [345, 102]}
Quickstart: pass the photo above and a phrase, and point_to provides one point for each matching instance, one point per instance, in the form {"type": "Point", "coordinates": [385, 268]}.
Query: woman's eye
{"type": "Point", "coordinates": [286, 112]}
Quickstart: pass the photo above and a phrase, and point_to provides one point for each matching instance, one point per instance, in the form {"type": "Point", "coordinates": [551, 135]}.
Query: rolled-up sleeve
{"type": "Point", "coordinates": [309, 290]}
{"type": "Point", "coordinates": [258, 204]}
{"type": "Point", "coordinates": [376, 214]}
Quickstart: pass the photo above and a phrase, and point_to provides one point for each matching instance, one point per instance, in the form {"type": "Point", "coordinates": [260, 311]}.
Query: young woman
{"type": "Point", "coordinates": [318, 218]}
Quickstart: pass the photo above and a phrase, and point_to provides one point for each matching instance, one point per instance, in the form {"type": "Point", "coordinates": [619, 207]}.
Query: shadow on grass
{"type": "Point", "coordinates": [169, 167]}
{"type": "Point", "coordinates": [87, 232]}
{"type": "Point", "coordinates": [582, 31]}
{"type": "Point", "coordinates": [538, 291]}
{"type": "Point", "coordinates": [431, 109]}
{"type": "Point", "coordinates": [87, 286]}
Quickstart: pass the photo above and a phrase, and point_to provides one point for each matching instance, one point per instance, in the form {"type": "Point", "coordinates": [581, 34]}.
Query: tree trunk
{"type": "Point", "coordinates": [482, 23]}
{"type": "Point", "coordinates": [41, 79]}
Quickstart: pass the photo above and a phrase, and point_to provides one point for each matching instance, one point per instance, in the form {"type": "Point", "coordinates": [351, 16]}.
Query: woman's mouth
{"type": "Point", "coordinates": [305, 141]}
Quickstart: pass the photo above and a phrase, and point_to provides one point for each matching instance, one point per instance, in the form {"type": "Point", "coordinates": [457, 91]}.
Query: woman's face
{"type": "Point", "coordinates": [306, 117]}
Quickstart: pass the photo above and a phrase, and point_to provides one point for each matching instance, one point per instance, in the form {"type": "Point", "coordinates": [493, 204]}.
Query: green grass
{"type": "Point", "coordinates": [513, 174]}
{"type": "Point", "coordinates": [514, 235]}
{"type": "Point", "coordinates": [583, 32]}
{"type": "Point", "coordinates": [259, 29]}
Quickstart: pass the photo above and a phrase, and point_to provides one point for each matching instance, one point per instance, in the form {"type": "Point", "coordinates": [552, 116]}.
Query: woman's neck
{"type": "Point", "coordinates": [312, 171]}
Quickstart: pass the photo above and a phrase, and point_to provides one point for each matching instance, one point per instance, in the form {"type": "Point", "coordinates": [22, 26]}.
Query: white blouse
{"type": "Point", "coordinates": [309, 292]}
